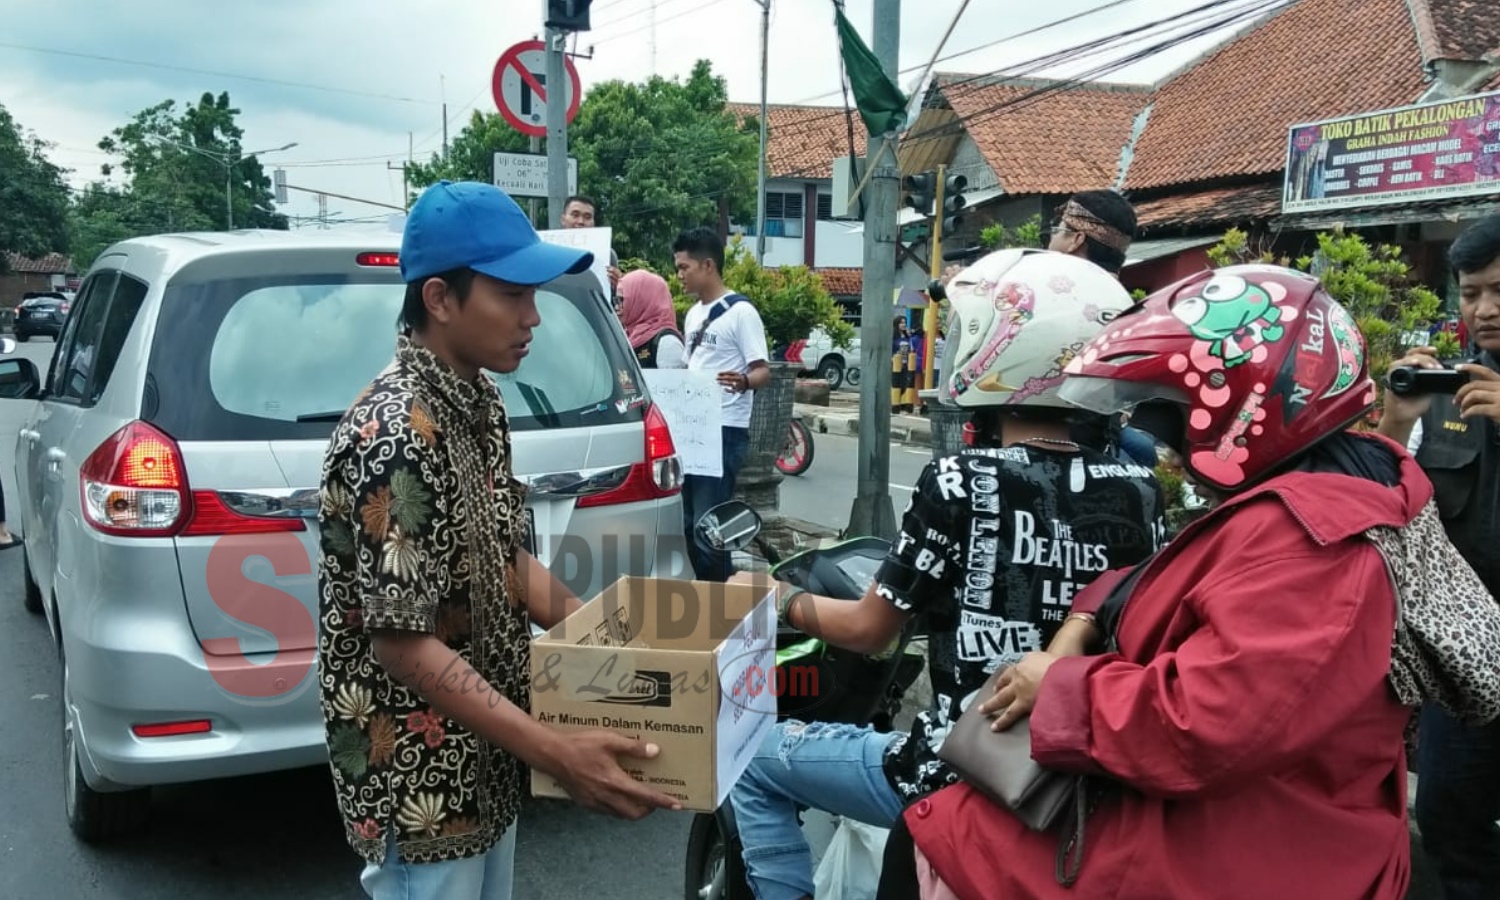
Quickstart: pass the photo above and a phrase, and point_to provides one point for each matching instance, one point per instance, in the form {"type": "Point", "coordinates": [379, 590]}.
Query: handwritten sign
{"type": "Point", "coordinates": [691, 402]}
{"type": "Point", "coordinates": [595, 240]}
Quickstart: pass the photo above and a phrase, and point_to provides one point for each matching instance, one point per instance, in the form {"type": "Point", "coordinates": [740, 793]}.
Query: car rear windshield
{"type": "Point", "coordinates": [240, 356]}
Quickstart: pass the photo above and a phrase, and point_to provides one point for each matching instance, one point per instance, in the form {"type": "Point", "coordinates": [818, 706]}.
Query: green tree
{"type": "Point", "coordinates": [997, 237]}
{"type": "Point", "coordinates": [33, 194]}
{"type": "Point", "coordinates": [1374, 282]}
{"type": "Point", "coordinates": [658, 156]}
{"type": "Point", "coordinates": [661, 156]}
{"type": "Point", "coordinates": [182, 163]}
{"type": "Point", "coordinates": [101, 215]}
{"type": "Point", "coordinates": [471, 153]}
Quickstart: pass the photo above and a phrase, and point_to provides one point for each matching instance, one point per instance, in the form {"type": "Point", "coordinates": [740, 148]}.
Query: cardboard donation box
{"type": "Point", "coordinates": [687, 665]}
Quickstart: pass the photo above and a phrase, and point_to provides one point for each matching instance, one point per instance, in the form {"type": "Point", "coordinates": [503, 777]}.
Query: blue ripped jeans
{"type": "Point", "coordinates": [836, 768]}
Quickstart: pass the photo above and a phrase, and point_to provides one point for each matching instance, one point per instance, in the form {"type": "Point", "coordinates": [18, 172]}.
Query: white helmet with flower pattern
{"type": "Point", "coordinates": [1017, 319]}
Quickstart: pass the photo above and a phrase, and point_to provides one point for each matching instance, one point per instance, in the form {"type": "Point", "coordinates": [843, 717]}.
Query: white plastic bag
{"type": "Point", "coordinates": [850, 869]}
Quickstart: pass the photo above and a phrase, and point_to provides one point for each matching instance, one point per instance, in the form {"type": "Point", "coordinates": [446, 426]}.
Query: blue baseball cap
{"type": "Point", "coordinates": [472, 225]}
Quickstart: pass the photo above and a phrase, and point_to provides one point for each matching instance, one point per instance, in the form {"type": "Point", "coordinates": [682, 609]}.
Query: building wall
{"type": "Point", "coordinates": [827, 243]}
{"type": "Point", "coordinates": [1158, 273]}
{"type": "Point", "coordinates": [14, 284]}
{"type": "Point", "coordinates": [969, 162]}
{"type": "Point", "coordinates": [840, 245]}
{"type": "Point", "coordinates": [779, 251]}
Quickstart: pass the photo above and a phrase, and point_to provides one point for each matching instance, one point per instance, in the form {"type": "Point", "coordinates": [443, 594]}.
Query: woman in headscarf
{"type": "Point", "coordinates": [650, 321]}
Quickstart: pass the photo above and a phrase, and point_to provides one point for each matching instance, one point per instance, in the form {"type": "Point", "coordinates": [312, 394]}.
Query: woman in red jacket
{"type": "Point", "coordinates": [1244, 734]}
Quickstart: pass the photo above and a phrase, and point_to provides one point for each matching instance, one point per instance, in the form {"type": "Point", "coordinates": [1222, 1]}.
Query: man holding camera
{"type": "Point", "coordinates": [1456, 439]}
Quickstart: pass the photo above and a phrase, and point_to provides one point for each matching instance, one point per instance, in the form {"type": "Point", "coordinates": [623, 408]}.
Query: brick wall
{"type": "Point", "coordinates": [14, 284]}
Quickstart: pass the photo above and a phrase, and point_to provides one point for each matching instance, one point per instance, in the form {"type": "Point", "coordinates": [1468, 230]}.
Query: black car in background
{"type": "Point", "coordinates": [41, 312]}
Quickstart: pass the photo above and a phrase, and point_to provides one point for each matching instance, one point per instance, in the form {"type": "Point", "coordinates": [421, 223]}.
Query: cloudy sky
{"type": "Point", "coordinates": [356, 84]}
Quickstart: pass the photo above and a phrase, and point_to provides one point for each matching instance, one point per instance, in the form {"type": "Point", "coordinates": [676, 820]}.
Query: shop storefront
{"type": "Point", "coordinates": [1413, 176]}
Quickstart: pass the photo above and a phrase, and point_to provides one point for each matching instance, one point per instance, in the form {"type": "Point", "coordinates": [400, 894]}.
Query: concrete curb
{"type": "Point", "coordinates": [842, 420]}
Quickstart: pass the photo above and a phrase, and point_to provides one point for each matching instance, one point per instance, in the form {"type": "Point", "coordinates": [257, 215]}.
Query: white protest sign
{"type": "Point", "coordinates": [691, 402]}
{"type": "Point", "coordinates": [595, 240]}
{"type": "Point", "coordinates": [747, 680]}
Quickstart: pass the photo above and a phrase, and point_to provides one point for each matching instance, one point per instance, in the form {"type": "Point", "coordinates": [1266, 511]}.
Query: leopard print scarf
{"type": "Point", "coordinates": [1447, 642]}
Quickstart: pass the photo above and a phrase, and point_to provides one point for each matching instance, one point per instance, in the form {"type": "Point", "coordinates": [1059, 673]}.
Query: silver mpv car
{"type": "Point", "coordinates": [168, 477]}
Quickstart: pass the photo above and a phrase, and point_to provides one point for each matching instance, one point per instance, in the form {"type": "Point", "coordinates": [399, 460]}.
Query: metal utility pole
{"type": "Point", "coordinates": [534, 146]}
{"type": "Point", "coordinates": [557, 127]}
{"type": "Point", "coordinates": [873, 513]}
{"type": "Point", "coordinates": [405, 184]}
{"type": "Point", "coordinates": [228, 162]}
{"type": "Point", "coordinates": [760, 190]}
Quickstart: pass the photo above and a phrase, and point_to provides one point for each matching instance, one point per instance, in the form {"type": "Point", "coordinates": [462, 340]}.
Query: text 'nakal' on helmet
{"type": "Point", "coordinates": [1017, 318]}
{"type": "Point", "coordinates": [1257, 362]}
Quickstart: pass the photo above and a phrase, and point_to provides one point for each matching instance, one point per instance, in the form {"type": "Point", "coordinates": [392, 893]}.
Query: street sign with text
{"type": "Point", "coordinates": [525, 174]}
{"type": "Point", "coordinates": [521, 92]}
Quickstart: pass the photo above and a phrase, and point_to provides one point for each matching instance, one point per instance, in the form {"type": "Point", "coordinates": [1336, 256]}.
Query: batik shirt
{"type": "Point", "coordinates": [420, 523]}
{"type": "Point", "coordinates": [992, 548]}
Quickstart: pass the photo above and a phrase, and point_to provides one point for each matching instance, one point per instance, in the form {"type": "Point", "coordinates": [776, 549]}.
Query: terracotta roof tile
{"type": "Point", "coordinates": [51, 264]}
{"type": "Point", "coordinates": [1211, 207]}
{"type": "Point", "coordinates": [1046, 137]}
{"type": "Point", "coordinates": [843, 282]}
{"type": "Point", "coordinates": [803, 141]}
{"type": "Point", "coordinates": [1316, 59]}
{"type": "Point", "coordinates": [1457, 29]}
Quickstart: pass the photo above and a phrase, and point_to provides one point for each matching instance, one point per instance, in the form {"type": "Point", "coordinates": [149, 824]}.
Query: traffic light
{"type": "Point", "coordinates": [953, 203]}
{"type": "Point", "coordinates": [568, 15]}
{"type": "Point", "coordinates": [921, 192]}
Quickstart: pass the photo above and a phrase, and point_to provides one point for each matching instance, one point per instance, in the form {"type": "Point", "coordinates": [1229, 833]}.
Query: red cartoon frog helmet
{"type": "Point", "coordinates": [1260, 360]}
{"type": "Point", "coordinates": [1018, 317]}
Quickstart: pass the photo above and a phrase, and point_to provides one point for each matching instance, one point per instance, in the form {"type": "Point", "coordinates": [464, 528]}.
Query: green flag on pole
{"type": "Point", "coordinates": [881, 104]}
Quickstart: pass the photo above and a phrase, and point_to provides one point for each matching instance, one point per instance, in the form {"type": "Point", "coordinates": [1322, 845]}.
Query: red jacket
{"type": "Point", "coordinates": [1248, 711]}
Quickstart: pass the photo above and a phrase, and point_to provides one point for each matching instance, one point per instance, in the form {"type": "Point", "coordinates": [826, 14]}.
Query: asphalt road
{"type": "Point", "coordinates": [278, 835]}
{"type": "Point", "coordinates": [825, 493]}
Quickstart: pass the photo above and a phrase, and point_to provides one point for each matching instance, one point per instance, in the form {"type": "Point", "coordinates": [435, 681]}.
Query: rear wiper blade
{"type": "Point", "coordinates": [330, 416]}
{"type": "Point", "coordinates": [541, 408]}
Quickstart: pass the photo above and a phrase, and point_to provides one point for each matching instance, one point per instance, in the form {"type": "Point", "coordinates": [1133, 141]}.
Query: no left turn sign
{"type": "Point", "coordinates": [520, 87]}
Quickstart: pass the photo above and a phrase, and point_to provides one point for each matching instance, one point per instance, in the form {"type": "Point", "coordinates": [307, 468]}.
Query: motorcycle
{"type": "Point", "coordinates": [860, 689]}
{"type": "Point", "coordinates": [797, 453]}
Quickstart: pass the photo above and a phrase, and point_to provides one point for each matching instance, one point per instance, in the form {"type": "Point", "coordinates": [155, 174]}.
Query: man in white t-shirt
{"type": "Point", "coordinates": [724, 335]}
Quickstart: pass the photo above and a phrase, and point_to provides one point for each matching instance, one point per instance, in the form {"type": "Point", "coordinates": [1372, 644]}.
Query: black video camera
{"type": "Point", "coordinates": [1407, 380]}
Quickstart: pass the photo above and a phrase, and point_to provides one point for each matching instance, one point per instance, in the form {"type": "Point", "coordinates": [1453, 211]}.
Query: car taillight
{"type": "Point", "coordinates": [210, 516]}
{"type": "Point", "coordinates": [135, 485]}
{"type": "Point", "coordinates": [660, 475]}
{"type": "Point", "coordinates": [173, 729]}
{"type": "Point", "coordinates": [378, 259]}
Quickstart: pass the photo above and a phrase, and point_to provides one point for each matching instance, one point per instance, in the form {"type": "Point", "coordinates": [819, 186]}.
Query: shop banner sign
{"type": "Point", "coordinates": [1435, 151]}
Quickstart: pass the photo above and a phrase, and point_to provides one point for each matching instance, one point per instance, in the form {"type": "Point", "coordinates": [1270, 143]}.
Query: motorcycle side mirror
{"type": "Point", "coordinates": [731, 525]}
